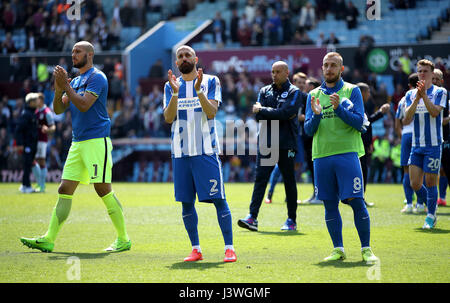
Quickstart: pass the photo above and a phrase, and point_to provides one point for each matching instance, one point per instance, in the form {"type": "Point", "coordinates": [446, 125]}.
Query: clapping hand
{"type": "Point", "coordinates": [173, 81]}
{"type": "Point", "coordinates": [61, 78]}
{"type": "Point", "coordinates": [315, 105]}
{"type": "Point", "coordinates": [198, 83]}
{"type": "Point", "coordinates": [334, 99]}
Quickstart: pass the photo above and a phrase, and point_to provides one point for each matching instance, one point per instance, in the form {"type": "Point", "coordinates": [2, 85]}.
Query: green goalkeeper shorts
{"type": "Point", "coordinates": [89, 161]}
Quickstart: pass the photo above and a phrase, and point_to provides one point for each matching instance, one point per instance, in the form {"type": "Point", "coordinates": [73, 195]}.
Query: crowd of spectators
{"type": "Point", "coordinates": [48, 27]}
{"type": "Point", "coordinates": [280, 22]}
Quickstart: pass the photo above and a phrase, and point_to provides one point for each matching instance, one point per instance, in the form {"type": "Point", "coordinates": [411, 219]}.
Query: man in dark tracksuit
{"type": "Point", "coordinates": [26, 135]}
{"type": "Point", "coordinates": [277, 103]}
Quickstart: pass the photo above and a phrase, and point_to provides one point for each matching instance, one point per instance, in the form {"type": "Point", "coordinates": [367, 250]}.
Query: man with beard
{"type": "Point", "coordinates": [335, 119]}
{"type": "Point", "coordinates": [89, 159]}
{"type": "Point", "coordinates": [190, 104]}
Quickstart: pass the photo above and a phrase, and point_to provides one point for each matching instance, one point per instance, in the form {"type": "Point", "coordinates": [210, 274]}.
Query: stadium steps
{"type": "Point", "coordinates": [443, 35]}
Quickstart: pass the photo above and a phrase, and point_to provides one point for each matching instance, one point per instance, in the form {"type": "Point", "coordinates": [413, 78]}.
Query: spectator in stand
{"type": "Point", "coordinates": [286, 25]}
{"type": "Point", "coordinates": [338, 9]}
{"type": "Point", "coordinates": [307, 19]}
{"type": "Point", "coordinates": [156, 71]}
{"type": "Point", "coordinates": [258, 29]}
{"type": "Point", "coordinates": [8, 18]}
{"type": "Point", "coordinates": [250, 10]}
{"type": "Point", "coordinates": [139, 15]}
{"type": "Point", "coordinates": [126, 14]}
{"type": "Point", "coordinates": [321, 40]}
{"type": "Point", "coordinates": [351, 15]}
{"type": "Point", "coordinates": [244, 31]}
{"type": "Point", "coordinates": [273, 26]}
{"type": "Point", "coordinates": [155, 6]}
{"type": "Point", "coordinates": [219, 28]}
{"type": "Point", "coordinates": [333, 40]}
{"type": "Point", "coordinates": [8, 45]}
{"type": "Point", "coordinates": [323, 6]}
{"type": "Point", "coordinates": [234, 26]}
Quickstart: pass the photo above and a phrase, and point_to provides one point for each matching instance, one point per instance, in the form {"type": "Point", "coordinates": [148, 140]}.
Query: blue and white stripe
{"type": "Point", "coordinates": [193, 133]}
{"type": "Point", "coordinates": [427, 131]}
{"type": "Point", "coordinates": [400, 114]}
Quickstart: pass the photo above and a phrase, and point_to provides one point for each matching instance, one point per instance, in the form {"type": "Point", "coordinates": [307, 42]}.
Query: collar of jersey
{"type": "Point", "coordinates": [284, 87]}
{"type": "Point", "coordinates": [331, 90]}
{"type": "Point", "coordinates": [86, 73]}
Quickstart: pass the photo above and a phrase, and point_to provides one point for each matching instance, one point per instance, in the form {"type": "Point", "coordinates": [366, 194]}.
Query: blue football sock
{"type": "Point", "coordinates": [43, 178]}
{"type": "Point", "coordinates": [422, 195]}
{"type": "Point", "coordinates": [362, 220]}
{"type": "Point", "coordinates": [190, 220]}
{"type": "Point", "coordinates": [407, 189]}
{"type": "Point", "coordinates": [274, 178]}
{"type": "Point", "coordinates": [36, 170]}
{"type": "Point", "coordinates": [432, 194]}
{"type": "Point", "coordinates": [333, 221]}
{"type": "Point", "coordinates": [443, 183]}
{"type": "Point", "coordinates": [224, 218]}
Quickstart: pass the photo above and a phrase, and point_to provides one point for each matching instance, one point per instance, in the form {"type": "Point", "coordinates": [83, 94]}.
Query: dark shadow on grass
{"type": "Point", "coordinates": [309, 204]}
{"type": "Point", "coordinates": [442, 214]}
{"type": "Point", "coordinates": [282, 233]}
{"type": "Point", "coordinates": [83, 256]}
{"type": "Point", "coordinates": [343, 264]}
{"type": "Point", "coordinates": [195, 265]}
{"type": "Point", "coordinates": [435, 230]}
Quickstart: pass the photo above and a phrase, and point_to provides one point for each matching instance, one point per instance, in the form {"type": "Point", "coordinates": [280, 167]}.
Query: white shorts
{"type": "Point", "coordinates": [41, 152]}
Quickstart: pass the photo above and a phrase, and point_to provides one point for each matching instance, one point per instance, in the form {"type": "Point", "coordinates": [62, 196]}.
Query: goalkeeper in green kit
{"type": "Point", "coordinates": [335, 119]}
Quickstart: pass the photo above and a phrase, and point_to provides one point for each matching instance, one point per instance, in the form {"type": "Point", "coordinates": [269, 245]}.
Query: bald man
{"type": "Point", "coordinates": [277, 102]}
{"type": "Point", "coordinates": [89, 159]}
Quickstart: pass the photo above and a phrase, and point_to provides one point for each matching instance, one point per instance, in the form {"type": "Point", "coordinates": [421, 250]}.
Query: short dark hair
{"type": "Point", "coordinates": [413, 79]}
{"type": "Point", "coordinates": [363, 86]}
{"type": "Point", "coordinates": [314, 82]}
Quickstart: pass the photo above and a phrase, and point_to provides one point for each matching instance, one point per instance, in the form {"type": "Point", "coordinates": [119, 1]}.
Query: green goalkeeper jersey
{"type": "Point", "coordinates": [336, 131]}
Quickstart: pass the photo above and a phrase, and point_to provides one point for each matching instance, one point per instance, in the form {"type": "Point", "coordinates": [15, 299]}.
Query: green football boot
{"type": "Point", "coordinates": [119, 245]}
{"type": "Point", "coordinates": [336, 254]}
{"type": "Point", "coordinates": [39, 243]}
{"type": "Point", "coordinates": [368, 255]}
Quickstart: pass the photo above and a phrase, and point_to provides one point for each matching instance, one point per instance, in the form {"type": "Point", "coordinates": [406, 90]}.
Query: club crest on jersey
{"type": "Point", "coordinates": [284, 95]}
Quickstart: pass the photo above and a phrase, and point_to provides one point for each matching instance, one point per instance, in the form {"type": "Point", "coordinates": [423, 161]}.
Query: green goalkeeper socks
{"type": "Point", "coordinates": [115, 212]}
{"type": "Point", "coordinates": [59, 215]}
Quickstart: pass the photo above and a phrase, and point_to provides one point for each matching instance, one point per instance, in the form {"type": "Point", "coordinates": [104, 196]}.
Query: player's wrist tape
{"type": "Point", "coordinates": [199, 92]}
{"type": "Point", "coordinates": [175, 95]}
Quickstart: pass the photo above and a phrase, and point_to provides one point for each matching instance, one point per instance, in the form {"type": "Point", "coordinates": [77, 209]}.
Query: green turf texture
{"type": "Point", "coordinates": [407, 253]}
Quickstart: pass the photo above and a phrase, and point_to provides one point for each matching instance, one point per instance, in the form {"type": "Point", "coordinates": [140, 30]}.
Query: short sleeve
{"type": "Point", "coordinates": [214, 89]}
{"type": "Point", "coordinates": [167, 94]}
{"type": "Point", "coordinates": [97, 84]}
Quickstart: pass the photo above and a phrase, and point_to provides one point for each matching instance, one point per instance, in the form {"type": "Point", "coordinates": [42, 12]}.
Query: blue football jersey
{"type": "Point", "coordinates": [427, 131]}
{"type": "Point", "coordinates": [95, 122]}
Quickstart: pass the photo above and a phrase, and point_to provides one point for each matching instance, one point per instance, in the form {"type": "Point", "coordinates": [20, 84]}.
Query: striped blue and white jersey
{"type": "Point", "coordinates": [193, 134]}
{"type": "Point", "coordinates": [400, 114]}
{"type": "Point", "coordinates": [427, 131]}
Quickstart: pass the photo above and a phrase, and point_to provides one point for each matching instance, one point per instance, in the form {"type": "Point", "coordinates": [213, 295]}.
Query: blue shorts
{"type": "Point", "coordinates": [201, 175]}
{"type": "Point", "coordinates": [427, 158]}
{"type": "Point", "coordinates": [300, 155]}
{"type": "Point", "coordinates": [405, 149]}
{"type": "Point", "coordinates": [338, 177]}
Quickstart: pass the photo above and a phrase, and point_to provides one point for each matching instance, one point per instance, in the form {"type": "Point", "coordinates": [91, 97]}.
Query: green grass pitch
{"type": "Point", "coordinates": [407, 253]}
